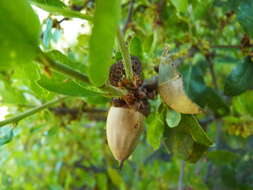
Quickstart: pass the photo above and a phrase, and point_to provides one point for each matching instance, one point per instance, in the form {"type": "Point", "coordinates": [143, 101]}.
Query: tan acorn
{"type": "Point", "coordinates": [123, 129]}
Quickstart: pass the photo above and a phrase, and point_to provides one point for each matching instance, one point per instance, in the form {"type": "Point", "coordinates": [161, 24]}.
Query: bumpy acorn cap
{"type": "Point", "coordinates": [117, 72]}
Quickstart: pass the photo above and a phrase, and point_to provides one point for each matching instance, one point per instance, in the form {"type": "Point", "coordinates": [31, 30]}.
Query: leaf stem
{"type": "Point", "coordinates": [30, 112]}
{"type": "Point", "coordinates": [125, 54]}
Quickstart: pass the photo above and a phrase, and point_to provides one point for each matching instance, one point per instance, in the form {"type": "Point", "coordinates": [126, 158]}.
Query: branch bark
{"type": "Point", "coordinates": [30, 112]}
{"type": "Point", "coordinates": [65, 69]}
{"type": "Point", "coordinates": [230, 46]}
{"type": "Point", "coordinates": [47, 61]}
{"type": "Point", "coordinates": [181, 176]}
{"type": "Point", "coordinates": [129, 16]}
{"type": "Point", "coordinates": [210, 64]}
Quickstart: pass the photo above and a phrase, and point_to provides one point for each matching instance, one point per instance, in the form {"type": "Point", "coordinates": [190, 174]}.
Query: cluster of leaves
{"type": "Point", "coordinates": [210, 41]}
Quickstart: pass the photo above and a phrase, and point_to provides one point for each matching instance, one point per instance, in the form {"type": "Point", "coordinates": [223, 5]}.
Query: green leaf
{"type": "Point", "coordinates": [116, 178]}
{"type": "Point", "coordinates": [60, 84]}
{"type": "Point", "coordinates": [6, 135]}
{"type": "Point", "coordinates": [245, 15]}
{"type": "Point", "coordinates": [102, 182]}
{"type": "Point", "coordinates": [172, 118]}
{"type": "Point", "coordinates": [201, 8]}
{"type": "Point", "coordinates": [55, 3]}
{"type": "Point", "coordinates": [215, 102]}
{"type": "Point", "coordinates": [11, 95]}
{"type": "Point", "coordinates": [29, 74]}
{"type": "Point", "coordinates": [58, 8]}
{"type": "Point", "coordinates": [106, 21]}
{"type": "Point", "coordinates": [181, 5]}
{"type": "Point", "coordinates": [58, 57]}
{"type": "Point", "coordinates": [197, 151]}
{"type": "Point", "coordinates": [196, 131]}
{"type": "Point", "coordinates": [197, 90]}
{"type": "Point", "coordinates": [155, 129]}
{"type": "Point", "coordinates": [243, 103]}
{"type": "Point", "coordinates": [136, 47]}
{"type": "Point", "coordinates": [63, 59]}
{"type": "Point", "coordinates": [222, 157]}
{"type": "Point", "coordinates": [19, 34]}
{"type": "Point", "coordinates": [240, 79]}
{"type": "Point", "coordinates": [188, 141]}
{"type": "Point", "coordinates": [179, 143]}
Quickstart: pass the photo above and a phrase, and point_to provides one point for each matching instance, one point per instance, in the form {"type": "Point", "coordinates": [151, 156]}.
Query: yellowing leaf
{"type": "Point", "coordinates": [173, 94]}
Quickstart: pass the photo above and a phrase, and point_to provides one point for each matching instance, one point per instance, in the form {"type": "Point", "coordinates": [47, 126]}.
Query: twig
{"type": "Point", "coordinates": [218, 134]}
{"type": "Point", "coordinates": [129, 16]}
{"type": "Point", "coordinates": [218, 130]}
{"type": "Point", "coordinates": [210, 64]}
{"type": "Point", "coordinates": [48, 62]}
{"type": "Point", "coordinates": [191, 52]}
{"type": "Point", "coordinates": [125, 54]}
{"type": "Point", "coordinates": [91, 168]}
{"type": "Point", "coordinates": [230, 46]}
{"type": "Point", "coordinates": [181, 176]}
{"type": "Point", "coordinates": [217, 143]}
{"type": "Point", "coordinates": [30, 112]}
{"type": "Point", "coordinates": [62, 20]}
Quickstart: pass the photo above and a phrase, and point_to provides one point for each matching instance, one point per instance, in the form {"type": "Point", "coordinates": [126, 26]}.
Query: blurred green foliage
{"type": "Point", "coordinates": [64, 147]}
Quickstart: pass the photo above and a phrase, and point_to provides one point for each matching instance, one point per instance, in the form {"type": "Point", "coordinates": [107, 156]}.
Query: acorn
{"type": "Point", "coordinates": [171, 90]}
{"type": "Point", "coordinates": [123, 129]}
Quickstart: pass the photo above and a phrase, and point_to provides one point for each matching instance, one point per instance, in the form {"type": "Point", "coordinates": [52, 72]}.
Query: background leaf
{"type": "Point", "coordinates": [155, 128]}
{"type": "Point", "coordinates": [240, 79]}
{"type": "Point", "coordinates": [116, 178]}
{"type": "Point", "coordinates": [136, 47]}
{"type": "Point", "coordinates": [222, 157]}
{"type": "Point", "coordinates": [19, 34]}
{"type": "Point", "coordinates": [199, 92]}
{"type": "Point", "coordinates": [172, 118]}
{"type": "Point", "coordinates": [181, 5]}
{"type": "Point", "coordinates": [245, 16]}
{"type": "Point", "coordinates": [6, 135]}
